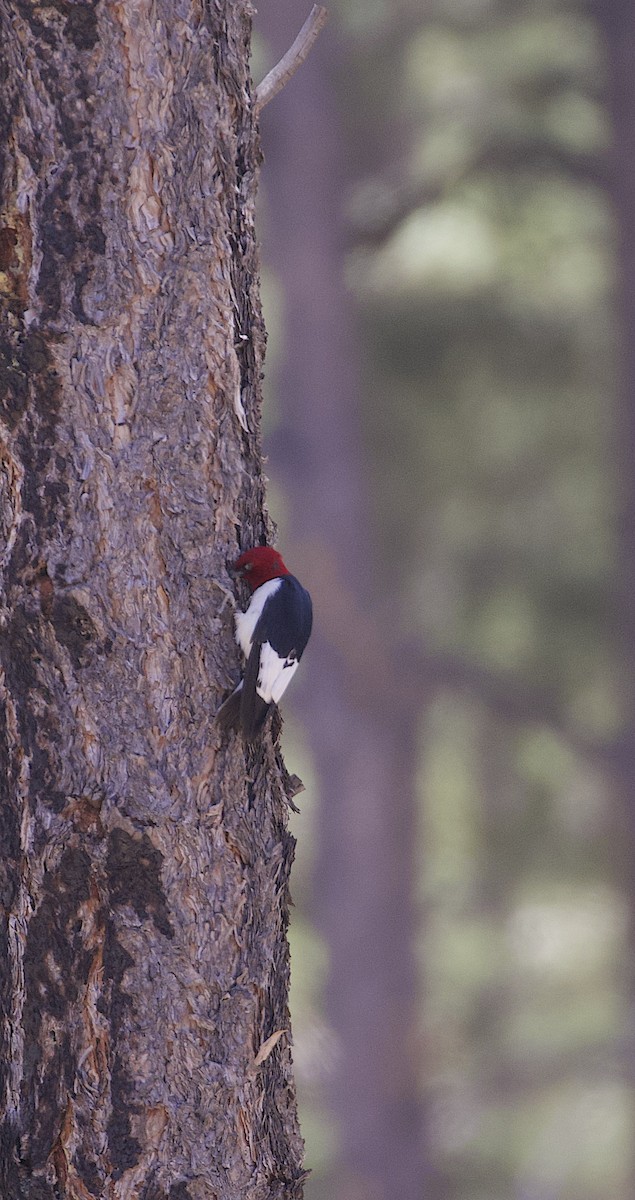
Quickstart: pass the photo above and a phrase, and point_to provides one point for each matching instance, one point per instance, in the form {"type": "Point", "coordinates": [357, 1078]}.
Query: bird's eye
{"type": "Point", "coordinates": [248, 566]}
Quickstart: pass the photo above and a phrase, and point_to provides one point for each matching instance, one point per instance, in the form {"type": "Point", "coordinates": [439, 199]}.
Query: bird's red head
{"type": "Point", "coordinates": [259, 565]}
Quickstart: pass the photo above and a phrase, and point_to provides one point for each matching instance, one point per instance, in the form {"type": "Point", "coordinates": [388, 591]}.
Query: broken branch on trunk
{"type": "Point", "coordinates": [283, 71]}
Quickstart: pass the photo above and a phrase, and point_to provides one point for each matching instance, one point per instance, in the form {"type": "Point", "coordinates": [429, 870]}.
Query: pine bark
{"type": "Point", "coordinates": [144, 864]}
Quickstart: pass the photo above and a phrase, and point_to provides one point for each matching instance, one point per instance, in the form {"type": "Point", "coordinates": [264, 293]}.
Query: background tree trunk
{"type": "Point", "coordinates": [144, 866]}
{"type": "Point", "coordinates": [617, 22]}
{"type": "Point", "coordinates": [362, 728]}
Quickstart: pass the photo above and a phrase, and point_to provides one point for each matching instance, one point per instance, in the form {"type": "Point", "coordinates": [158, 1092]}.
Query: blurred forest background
{"type": "Point", "coordinates": [448, 223]}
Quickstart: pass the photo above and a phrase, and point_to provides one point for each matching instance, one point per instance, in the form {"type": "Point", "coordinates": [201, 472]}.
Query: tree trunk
{"type": "Point", "coordinates": [616, 19]}
{"type": "Point", "coordinates": [362, 729]}
{"type": "Point", "coordinates": [144, 865]}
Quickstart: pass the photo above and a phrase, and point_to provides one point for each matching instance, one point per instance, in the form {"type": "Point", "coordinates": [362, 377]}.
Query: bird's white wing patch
{"type": "Point", "coordinates": [246, 622]}
{"type": "Point", "coordinates": [275, 673]}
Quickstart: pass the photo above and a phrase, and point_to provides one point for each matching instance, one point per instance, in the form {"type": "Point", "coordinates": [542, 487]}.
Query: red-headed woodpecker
{"type": "Point", "coordinates": [271, 633]}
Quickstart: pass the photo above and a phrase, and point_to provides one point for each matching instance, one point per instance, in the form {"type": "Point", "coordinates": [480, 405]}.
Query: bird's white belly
{"type": "Point", "coordinates": [246, 622]}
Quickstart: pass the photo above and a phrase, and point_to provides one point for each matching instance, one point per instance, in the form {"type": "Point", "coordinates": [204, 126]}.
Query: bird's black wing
{"type": "Point", "coordinates": [286, 622]}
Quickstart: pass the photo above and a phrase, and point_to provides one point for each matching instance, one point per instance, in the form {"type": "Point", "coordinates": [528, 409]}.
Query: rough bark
{"type": "Point", "coordinates": [365, 747]}
{"type": "Point", "coordinates": [144, 866]}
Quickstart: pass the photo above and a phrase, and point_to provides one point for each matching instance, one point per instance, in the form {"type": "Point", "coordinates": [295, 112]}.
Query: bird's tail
{"type": "Point", "coordinates": [228, 715]}
{"type": "Point", "coordinates": [242, 712]}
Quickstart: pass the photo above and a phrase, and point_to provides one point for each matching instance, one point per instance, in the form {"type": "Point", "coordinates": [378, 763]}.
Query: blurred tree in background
{"type": "Point", "coordinates": [448, 195]}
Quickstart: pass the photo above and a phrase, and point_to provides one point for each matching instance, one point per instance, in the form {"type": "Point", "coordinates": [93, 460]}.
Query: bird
{"type": "Point", "coordinates": [272, 633]}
